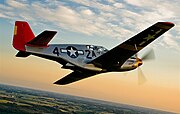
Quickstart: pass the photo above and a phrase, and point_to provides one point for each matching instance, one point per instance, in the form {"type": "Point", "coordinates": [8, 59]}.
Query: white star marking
{"type": "Point", "coordinates": [72, 52]}
{"type": "Point", "coordinates": [149, 37]}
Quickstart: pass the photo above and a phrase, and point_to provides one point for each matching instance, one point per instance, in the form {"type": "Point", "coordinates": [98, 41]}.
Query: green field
{"type": "Point", "coordinates": [16, 100]}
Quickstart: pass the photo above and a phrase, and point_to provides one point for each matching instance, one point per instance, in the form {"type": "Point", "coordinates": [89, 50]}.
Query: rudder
{"type": "Point", "coordinates": [22, 35]}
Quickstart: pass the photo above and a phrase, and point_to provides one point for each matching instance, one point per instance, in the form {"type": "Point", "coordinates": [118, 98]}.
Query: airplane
{"type": "Point", "coordinates": [85, 60]}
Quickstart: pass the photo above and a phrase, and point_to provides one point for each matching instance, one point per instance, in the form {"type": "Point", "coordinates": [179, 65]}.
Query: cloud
{"type": "Point", "coordinates": [87, 12]}
{"type": "Point", "coordinates": [170, 42]}
{"type": "Point", "coordinates": [99, 18]}
{"type": "Point", "coordinates": [3, 16]}
{"type": "Point", "coordinates": [16, 4]}
{"type": "Point", "coordinates": [134, 2]}
{"type": "Point", "coordinates": [111, 1]}
{"type": "Point", "coordinates": [2, 6]}
{"type": "Point", "coordinates": [118, 5]}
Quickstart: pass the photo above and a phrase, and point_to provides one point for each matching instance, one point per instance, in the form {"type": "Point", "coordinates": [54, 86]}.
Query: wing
{"type": "Point", "coordinates": [122, 52]}
{"type": "Point", "coordinates": [73, 77]}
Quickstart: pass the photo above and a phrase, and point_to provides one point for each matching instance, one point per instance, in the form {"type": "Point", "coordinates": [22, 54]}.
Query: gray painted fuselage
{"type": "Point", "coordinates": [79, 56]}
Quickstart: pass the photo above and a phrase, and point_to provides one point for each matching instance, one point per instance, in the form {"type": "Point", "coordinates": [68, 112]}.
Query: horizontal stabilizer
{"type": "Point", "coordinates": [22, 54]}
{"type": "Point", "coordinates": [42, 39]}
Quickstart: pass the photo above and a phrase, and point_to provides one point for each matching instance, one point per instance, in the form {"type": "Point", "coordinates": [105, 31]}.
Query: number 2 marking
{"type": "Point", "coordinates": [89, 55]}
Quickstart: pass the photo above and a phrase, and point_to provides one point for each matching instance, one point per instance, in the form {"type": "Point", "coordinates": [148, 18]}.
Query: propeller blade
{"type": "Point", "coordinates": [136, 55]}
{"type": "Point", "coordinates": [149, 55]}
{"type": "Point", "coordinates": [141, 77]}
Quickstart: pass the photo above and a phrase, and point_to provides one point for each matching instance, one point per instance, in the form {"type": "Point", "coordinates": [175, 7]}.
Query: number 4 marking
{"type": "Point", "coordinates": [56, 51]}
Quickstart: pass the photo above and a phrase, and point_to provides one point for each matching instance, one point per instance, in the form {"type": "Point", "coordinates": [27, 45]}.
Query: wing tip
{"type": "Point", "coordinates": [59, 83]}
{"type": "Point", "coordinates": [168, 23]}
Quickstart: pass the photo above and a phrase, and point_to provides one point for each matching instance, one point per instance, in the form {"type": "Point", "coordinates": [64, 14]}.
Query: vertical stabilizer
{"type": "Point", "coordinates": [22, 35]}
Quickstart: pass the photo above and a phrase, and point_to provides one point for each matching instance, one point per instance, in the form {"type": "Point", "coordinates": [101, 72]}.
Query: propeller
{"type": "Point", "coordinates": [149, 55]}
{"type": "Point", "coordinates": [141, 77]}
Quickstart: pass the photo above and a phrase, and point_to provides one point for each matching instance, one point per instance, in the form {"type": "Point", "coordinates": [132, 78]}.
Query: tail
{"type": "Point", "coordinates": [22, 35]}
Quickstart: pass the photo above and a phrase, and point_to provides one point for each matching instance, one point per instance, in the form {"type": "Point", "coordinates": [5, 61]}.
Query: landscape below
{"type": "Point", "coordinates": [18, 100]}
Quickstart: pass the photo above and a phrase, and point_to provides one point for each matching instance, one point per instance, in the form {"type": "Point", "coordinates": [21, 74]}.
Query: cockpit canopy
{"type": "Point", "coordinates": [97, 48]}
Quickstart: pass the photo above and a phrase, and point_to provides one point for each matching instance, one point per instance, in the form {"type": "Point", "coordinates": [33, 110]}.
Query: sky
{"type": "Point", "coordinates": [99, 22]}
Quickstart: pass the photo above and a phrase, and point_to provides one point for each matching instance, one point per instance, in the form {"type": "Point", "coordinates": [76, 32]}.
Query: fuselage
{"type": "Point", "coordinates": [79, 56]}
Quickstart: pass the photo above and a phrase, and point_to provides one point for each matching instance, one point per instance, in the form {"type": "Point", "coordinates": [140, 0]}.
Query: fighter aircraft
{"type": "Point", "coordinates": [85, 60]}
